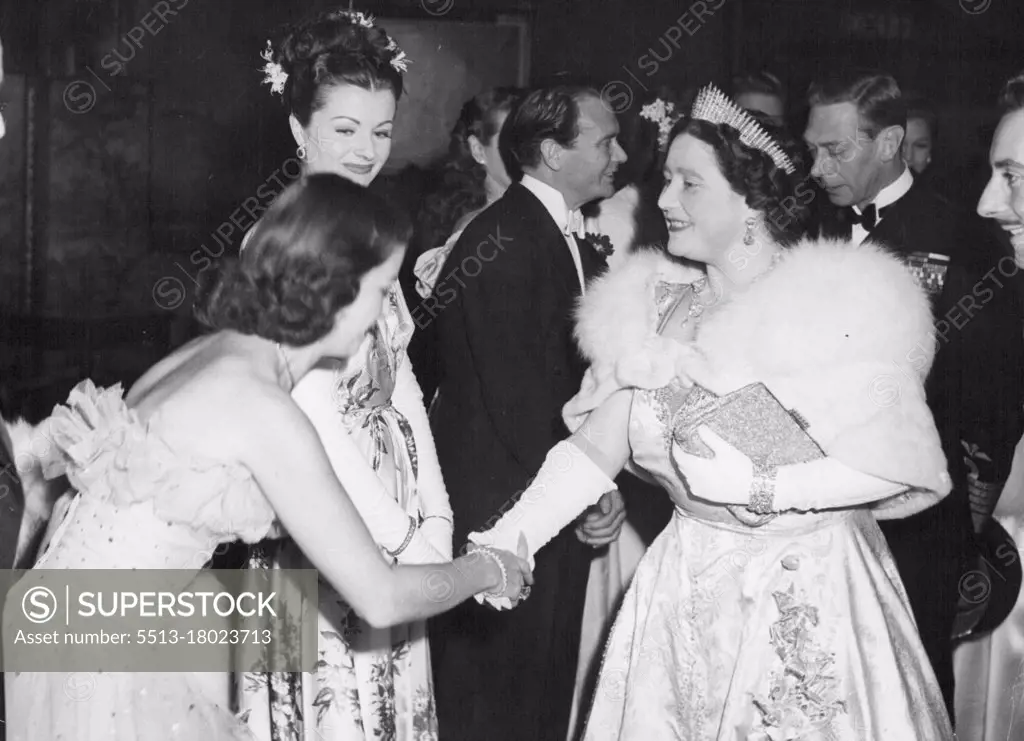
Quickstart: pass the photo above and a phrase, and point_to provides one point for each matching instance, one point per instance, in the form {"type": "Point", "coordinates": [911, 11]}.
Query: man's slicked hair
{"type": "Point", "coordinates": [876, 95]}
{"type": "Point", "coordinates": [547, 113]}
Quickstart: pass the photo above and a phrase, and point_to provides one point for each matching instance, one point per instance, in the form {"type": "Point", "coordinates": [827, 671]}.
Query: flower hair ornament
{"type": "Point", "coordinates": [399, 60]}
{"type": "Point", "coordinates": [714, 106]}
{"type": "Point", "coordinates": [276, 77]}
{"type": "Point", "coordinates": [663, 114]}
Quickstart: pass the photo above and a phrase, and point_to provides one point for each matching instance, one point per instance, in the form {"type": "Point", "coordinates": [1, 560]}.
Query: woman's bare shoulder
{"type": "Point", "coordinates": [222, 410]}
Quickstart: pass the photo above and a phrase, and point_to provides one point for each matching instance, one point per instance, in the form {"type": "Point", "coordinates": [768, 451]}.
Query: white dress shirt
{"type": "Point", "coordinates": [555, 205]}
{"type": "Point", "coordinates": [886, 196]}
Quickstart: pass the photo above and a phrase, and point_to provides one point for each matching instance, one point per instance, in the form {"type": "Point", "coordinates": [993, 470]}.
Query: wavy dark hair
{"type": "Point", "coordinates": [752, 173]}
{"type": "Point", "coordinates": [458, 180]}
{"type": "Point", "coordinates": [331, 49]}
{"type": "Point", "coordinates": [304, 262]}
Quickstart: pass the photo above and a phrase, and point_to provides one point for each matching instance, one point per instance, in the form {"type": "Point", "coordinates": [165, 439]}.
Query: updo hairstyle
{"type": "Point", "coordinates": [330, 49]}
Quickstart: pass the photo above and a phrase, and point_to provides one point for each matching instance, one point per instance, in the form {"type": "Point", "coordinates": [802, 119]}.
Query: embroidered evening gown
{"type": "Point", "coordinates": [811, 602]}
{"type": "Point", "coordinates": [798, 627]}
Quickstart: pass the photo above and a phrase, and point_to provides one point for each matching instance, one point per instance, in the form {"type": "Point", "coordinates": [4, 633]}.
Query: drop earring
{"type": "Point", "coordinates": [301, 151]}
{"type": "Point", "coordinates": [748, 237]}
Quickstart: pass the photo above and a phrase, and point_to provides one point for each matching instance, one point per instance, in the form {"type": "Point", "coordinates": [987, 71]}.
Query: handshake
{"type": "Point", "coordinates": [516, 573]}
{"type": "Point", "coordinates": [568, 484]}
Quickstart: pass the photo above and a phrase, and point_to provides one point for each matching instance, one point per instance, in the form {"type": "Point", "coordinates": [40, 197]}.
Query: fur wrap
{"type": "Point", "coordinates": [839, 332]}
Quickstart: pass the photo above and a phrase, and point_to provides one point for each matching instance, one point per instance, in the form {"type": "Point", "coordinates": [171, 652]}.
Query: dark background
{"type": "Point", "coordinates": [100, 207]}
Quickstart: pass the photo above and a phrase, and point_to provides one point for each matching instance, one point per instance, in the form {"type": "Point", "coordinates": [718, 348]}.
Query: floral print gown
{"type": "Point", "coordinates": [369, 684]}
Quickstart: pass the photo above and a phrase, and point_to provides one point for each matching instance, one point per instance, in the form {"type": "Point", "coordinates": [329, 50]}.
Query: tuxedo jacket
{"type": "Point", "coordinates": [508, 361]}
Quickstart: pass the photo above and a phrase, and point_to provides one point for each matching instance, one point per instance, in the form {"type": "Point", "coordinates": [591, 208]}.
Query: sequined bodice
{"type": "Point", "coordinates": [140, 503]}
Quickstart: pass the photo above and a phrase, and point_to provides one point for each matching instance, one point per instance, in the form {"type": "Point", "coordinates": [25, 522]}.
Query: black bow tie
{"type": "Point", "coordinates": [868, 217]}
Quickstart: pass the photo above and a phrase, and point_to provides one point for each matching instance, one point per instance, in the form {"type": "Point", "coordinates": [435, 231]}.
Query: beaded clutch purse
{"type": "Point", "coordinates": [750, 419]}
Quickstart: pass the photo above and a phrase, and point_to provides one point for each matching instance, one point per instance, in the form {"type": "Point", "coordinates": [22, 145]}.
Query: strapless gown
{"type": "Point", "coordinates": [140, 505]}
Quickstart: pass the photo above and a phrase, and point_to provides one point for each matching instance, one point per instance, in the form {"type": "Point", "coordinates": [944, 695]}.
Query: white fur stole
{"type": "Point", "coordinates": [840, 332]}
{"type": "Point", "coordinates": [616, 330]}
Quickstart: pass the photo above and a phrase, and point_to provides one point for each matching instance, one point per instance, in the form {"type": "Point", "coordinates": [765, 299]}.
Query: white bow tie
{"type": "Point", "coordinates": [574, 224]}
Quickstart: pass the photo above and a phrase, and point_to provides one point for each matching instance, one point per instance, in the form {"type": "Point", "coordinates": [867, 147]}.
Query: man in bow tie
{"type": "Point", "coordinates": [855, 130]}
{"type": "Point", "coordinates": [508, 365]}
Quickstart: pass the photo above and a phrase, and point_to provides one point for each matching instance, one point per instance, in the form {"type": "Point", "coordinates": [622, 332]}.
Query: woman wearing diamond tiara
{"type": "Point", "coordinates": [769, 608]}
{"type": "Point", "coordinates": [340, 77]}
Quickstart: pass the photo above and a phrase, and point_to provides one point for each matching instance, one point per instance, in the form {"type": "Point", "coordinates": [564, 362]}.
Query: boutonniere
{"type": "Point", "coordinates": [601, 243]}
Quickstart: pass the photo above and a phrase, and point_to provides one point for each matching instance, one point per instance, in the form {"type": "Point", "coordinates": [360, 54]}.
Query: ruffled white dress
{"type": "Point", "coordinates": [140, 504]}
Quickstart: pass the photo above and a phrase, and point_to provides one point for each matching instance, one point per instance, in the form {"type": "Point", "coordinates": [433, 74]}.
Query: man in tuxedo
{"type": "Point", "coordinates": [855, 129]}
{"type": "Point", "coordinates": [509, 363]}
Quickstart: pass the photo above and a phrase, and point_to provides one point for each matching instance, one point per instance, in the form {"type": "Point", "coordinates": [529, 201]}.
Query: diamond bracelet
{"type": "Point", "coordinates": [762, 489]}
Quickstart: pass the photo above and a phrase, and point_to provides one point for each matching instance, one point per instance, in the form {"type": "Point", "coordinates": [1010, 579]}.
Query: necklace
{"type": "Point", "coordinates": [287, 367]}
{"type": "Point", "coordinates": [696, 309]}
{"type": "Point", "coordinates": [776, 257]}
{"type": "Point", "coordinates": [697, 306]}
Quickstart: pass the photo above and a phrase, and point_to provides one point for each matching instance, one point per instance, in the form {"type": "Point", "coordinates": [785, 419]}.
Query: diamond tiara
{"type": "Point", "coordinates": [714, 106]}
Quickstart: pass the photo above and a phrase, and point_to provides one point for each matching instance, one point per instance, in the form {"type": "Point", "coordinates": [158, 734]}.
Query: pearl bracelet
{"type": "Point", "coordinates": [489, 553]}
{"type": "Point", "coordinates": [762, 489]}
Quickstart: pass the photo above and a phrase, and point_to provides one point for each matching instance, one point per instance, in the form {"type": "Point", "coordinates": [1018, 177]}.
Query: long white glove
{"type": "Point", "coordinates": [386, 520]}
{"type": "Point", "coordinates": [568, 482]}
{"type": "Point", "coordinates": [825, 483]}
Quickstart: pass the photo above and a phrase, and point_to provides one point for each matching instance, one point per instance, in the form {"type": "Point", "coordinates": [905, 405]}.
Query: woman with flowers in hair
{"type": "Point", "coordinates": [782, 410]}
{"type": "Point", "coordinates": [340, 77]}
